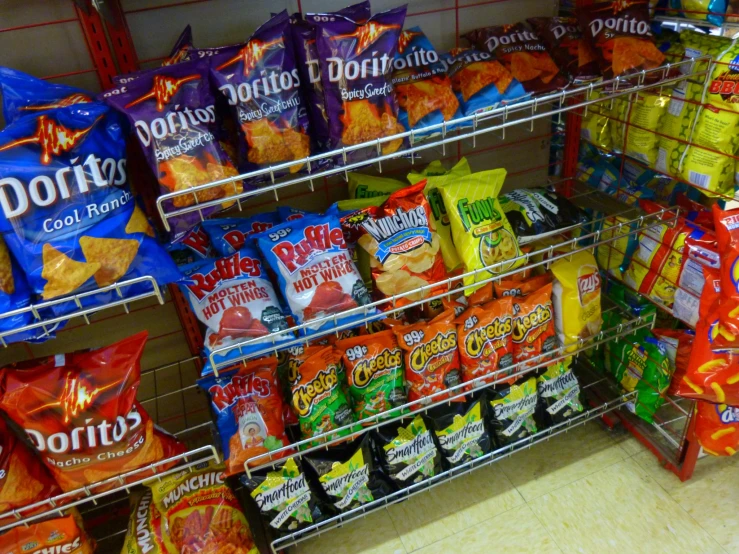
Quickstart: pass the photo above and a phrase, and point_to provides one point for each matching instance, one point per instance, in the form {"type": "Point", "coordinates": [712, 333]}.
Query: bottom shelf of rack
{"type": "Point", "coordinates": [603, 397]}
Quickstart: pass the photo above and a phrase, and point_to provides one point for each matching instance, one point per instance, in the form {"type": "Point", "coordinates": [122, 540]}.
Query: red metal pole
{"type": "Point", "coordinates": [97, 44]}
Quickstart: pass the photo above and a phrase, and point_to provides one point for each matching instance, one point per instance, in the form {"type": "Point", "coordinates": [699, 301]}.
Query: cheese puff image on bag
{"type": "Point", "coordinates": [62, 534]}
{"type": "Point", "coordinates": [727, 234]}
{"type": "Point", "coordinates": [717, 428]}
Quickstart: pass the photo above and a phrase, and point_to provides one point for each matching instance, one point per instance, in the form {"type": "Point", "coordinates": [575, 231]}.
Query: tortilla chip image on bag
{"type": "Point", "coordinates": [201, 512]}
{"type": "Point", "coordinates": [62, 534]}
{"type": "Point", "coordinates": [717, 428]}
{"type": "Point", "coordinates": [81, 414]}
{"type": "Point", "coordinates": [356, 67]}
{"type": "Point", "coordinates": [408, 452]}
{"type": "Point", "coordinates": [461, 431]}
{"type": "Point", "coordinates": [570, 51]}
{"type": "Point", "coordinates": [145, 532]}
{"type": "Point", "coordinates": [482, 235]}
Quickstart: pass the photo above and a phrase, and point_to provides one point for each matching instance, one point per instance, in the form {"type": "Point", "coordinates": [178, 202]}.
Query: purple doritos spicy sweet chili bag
{"type": "Point", "coordinates": [181, 52]}
{"type": "Point", "coordinates": [356, 65]}
{"type": "Point", "coordinates": [261, 83]}
{"type": "Point", "coordinates": [173, 116]}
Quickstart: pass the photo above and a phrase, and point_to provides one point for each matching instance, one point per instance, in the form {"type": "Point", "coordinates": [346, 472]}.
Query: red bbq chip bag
{"type": "Point", "coordinates": [533, 326]}
{"type": "Point", "coordinates": [81, 414]}
{"type": "Point", "coordinates": [572, 53]}
{"type": "Point", "coordinates": [717, 428]}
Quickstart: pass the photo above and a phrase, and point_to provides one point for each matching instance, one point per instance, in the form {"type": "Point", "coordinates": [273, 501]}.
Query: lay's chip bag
{"type": "Point", "coordinates": [482, 235]}
{"type": "Point", "coordinates": [83, 230]}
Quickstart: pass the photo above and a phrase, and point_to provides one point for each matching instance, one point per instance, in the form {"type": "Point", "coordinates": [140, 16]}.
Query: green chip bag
{"type": "Point", "coordinates": [645, 116]}
{"type": "Point", "coordinates": [435, 176]}
{"type": "Point", "coordinates": [513, 411]}
{"type": "Point", "coordinates": [482, 234]}
{"type": "Point", "coordinates": [369, 186]}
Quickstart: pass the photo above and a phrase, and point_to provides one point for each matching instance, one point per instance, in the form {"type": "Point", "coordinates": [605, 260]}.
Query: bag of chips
{"type": "Point", "coordinates": [727, 233]}
{"type": "Point", "coordinates": [229, 235]}
{"type": "Point", "coordinates": [317, 275]}
{"type": "Point", "coordinates": [559, 391]}
{"type": "Point", "coordinates": [704, 10]}
{"type": "Point", "coordinates": [645, 115]}
{"type": "Point", "coordinates": [194, 246]}
{"type": "Point", "coordinates": [248, 409]}
{"type": "Point", "coordinates": [233, 297]}
{"type": "Point", "coordinates": [348, 476]}
{"type": "Point", "coordinates": [596, 125]}
{"type": "Point", "coordinates": [431, 356]}
{"type": "Point", "coordinates": [23, 478]}
{"type": "Point", "coordinates": [61, 534]}
{"type": "Point", "coordinates": [533, 326]}
{"type": "Point", "coordinates": [570, 51]}
{"type": "Point", "coordinates": [356, 66]}
{"type": "Point", "coordinates": [371, 186]}
{"type": "Point", "coordinates": [522, 287]}
{"type": "Point", "coordinates": [14, 295]}
{"type": "Point", "coordinates": [201, 512]}
{"type": "Point", "coordinates": [422, 87]}
{"type": "Point", "coordinates": [576, 299]}
{"type": "Point", "coordinates": [717, 428]}
{"type": "Point", "coordinates": [145, 532]}
{"type": "Point", "coordinates": [621, 35]}
{"type": "Point", "coordinates": [676, 125]}
{"type": "Point", "coordinates": [536, 213]}
{"type": "Point", "coordinates": [512, 413]}
{"type": "Point", "coordinates": [678, 345]}
{"type": "Point", "coordinates": [375, 373]}
{"type": "Point", "coordinates": [25, 95]}
{"type": "Point", "coordinates": [85, 230]}
{"type": "Point", "coordinates": [285, 500]}
{"type": "Point", "coordinates": [700, 253]}
{"type": "Point", "coordinates": [485, 340]}
{"type": "Point", "coordinates": [461, 432]}
{"type": "Point", "coordinates": [408, 452]}
{"type": "Point", "coordinates": [523, 54]}
{"type": "Point", "coordinates": [482, 235]}
{"type": "Point", "coordinates": [80, 412]}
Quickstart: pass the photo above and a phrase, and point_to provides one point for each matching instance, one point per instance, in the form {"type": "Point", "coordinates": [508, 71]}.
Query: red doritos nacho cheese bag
{"type": "Point", "coordinates": [431, 356]}
{"type": "Point", "coordinates": [62, 535]}
{"type": "Point", "coordinates": [533, 325]}
{"type": "Point", "coordinates": [717, 428]}
{"type": "Point", "coordinates": [23, 478]}
{"type": "Point", "coordinates": [621, 35]}
{"type": "Point", "coordinates": [80, 412]}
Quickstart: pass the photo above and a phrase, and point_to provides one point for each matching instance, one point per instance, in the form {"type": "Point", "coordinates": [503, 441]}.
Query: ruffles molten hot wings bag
{"type": "Point", "coordinates": [80, 412]}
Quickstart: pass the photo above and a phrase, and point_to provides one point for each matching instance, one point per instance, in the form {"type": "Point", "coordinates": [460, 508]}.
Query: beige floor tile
{"type": "Point", "coordinates": [517, 531]}
{"type": "Point", "coordinates": [628, 442]}
{"type": "Point", "coordinates": [562, 460]}
{"type": "Point", "coordinates": [620, 509]}
{"type": "Point", "coordinates": [711, 496]}
{"type": "Point", "coordinates": [452, 507]}
{"type": "Point", "coordinates": [374, 534]}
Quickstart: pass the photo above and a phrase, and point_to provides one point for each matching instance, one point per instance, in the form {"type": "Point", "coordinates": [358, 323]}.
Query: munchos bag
{"type": "Point", "coordinates": [408, 452]}
{"type": "Point", "coordinates": [229, 235]}
{"type": "Point", "coordinates": [201, 512]}
{"type": "Point", "coordinates": [717, 428]}
{"type": "Point", "coordinates": [431, 356]}
{"type": "Point", "coordinates": [81, 414]}
{"type": "Point", "coordinates": [249, 411]}
{"type": "Point", "coordinates": [569, 50]}
{"type": "Point", "coordinates": [62, 534]}
{"type": "Point", "coordinates": [145, 532]}
{"type": "Point", "coordinates": [317, 275]}
{"type": "Point", "coordinates": [356, 67]}
{"type": "Point", "coordinates": [533, 326]}
{"type": "Point", "coordinates": [461, 432]}
{"type": "Point", "coordinates": [375, 373]}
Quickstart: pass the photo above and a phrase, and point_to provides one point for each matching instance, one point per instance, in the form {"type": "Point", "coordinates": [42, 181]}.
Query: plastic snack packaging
{"type": "Point", "coordinates": [233, 297]}
{"type": "Point", "coordinates": [576, 299]}
{"type": "Point", "coordinates": [727, 233]}
{"type": "Point", "coordinates": [701, 9]}
{"type": "Point", "coordinates": [24, 480]}
{"type": "Point", "coordinates": [248, 409]}
{"type": "Point", "coordinates": [431, 356]}
{"type": "Point", "coordinates": [537, 213]}
{"type": "Point", "coordinates": [194, 246]}
{"type": "Point", "coordinates": [422, 86]}
{"type": "Point", "coordinates": [229, 235]}
{"type": "Point", "coordinates": [461, 431]}
{"type": "Point", "coordinates": [717, 428]}
{"type": "Point", "coordinates": [481, 232]}
{"type": "Point", "coordinates": [678, 344]}
{"type": "Point", "coordinates": [485, 340]}
{"type": "Point", "coordinates": [677, 124]}
{"type": "Point", "coordinates": [533, 326]}
{"type": "Point", "coordinates": [621, 35]}
{"type": "Point", "coordinates": [273, 122]}
{"type": "Point", "coordinates": [360, 105]}
{"type": "Point", "coordinates": [512, 413]}
{"type": "Point", "coordinates": [596, 125]}
{"type": "Point", "coordinates": [88, 233]}
{"type": "Point", "coordinates": [614, 256]}
{"type": "Point", "coordinates": [408, 452]}
{"type": "Point", "coordinates": [284, 497]}
{"type": "Point", "coordinates": [315, 269]}
{"type": "Point", "coordinates": [201, 512]}
{"type": "Point", "coordinates": [436, 175]}
{"type": "Point", "coordinates": [522, 287]}
{"type": "Point", "coordinates": [145, 532]}
{"type": "Point", "coordinates": [318, 396]}
{"type": "Point", "coordinates": [375, 373]}
{"type": "Point", "coordinates": [559, 391]}
{"type": "Point", "coordinates": [700, 257]}
{"type": "Point", "coordinates": [646, 114]}
{"type": "Point", "coordinates": [371, 186]}
{"type": "Point", "coordinates": [286, 213]}
{"type": "Point", "coordinates": [523, 54]}
{"type": "Point", "coordinates": [61, 534]}
{"type": "Point", "coordinates": [349, 476]}
{"type": "Point", "coordinates": [570, 51]}
{"type": "Point", "coordinates": [80, 411]}
{"type": "Point", "coordinates": [25, 95]}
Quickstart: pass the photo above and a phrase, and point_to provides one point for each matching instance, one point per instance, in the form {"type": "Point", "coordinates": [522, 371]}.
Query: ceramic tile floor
{"type": "Point", "coordinates": [590, 490]}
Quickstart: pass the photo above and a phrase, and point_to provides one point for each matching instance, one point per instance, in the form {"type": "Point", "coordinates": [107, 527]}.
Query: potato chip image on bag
{"type": "Point", "coordinates": [482, 235]}
{"type": "Point", "coordinates": [61, 534]}
{"type": "Point", "coordinates": [81, 414]}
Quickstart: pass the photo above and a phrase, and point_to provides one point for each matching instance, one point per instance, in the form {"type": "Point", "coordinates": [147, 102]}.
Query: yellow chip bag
{"type": "Point", "coordinates": [435, 176]}
{"type": "Point", "coordinates": [596, 126]}
{"type": "Point", "coordinates": [676, 125]}
{"type": "Point", "coordinates": [368, 186]}
{"type": "Point", "coordinates": [647, 111]}
{"type": "Point", "coordinates": [618, 110]}
{"type": "Point", "coordinates": [611, 255]}
{"type": "Point", "coordinates": [576, 299]}
{"type": "Point", "coordinates": [482, 234]}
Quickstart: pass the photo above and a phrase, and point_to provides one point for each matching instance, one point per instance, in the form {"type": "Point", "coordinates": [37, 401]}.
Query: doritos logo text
{"type": "Point", "coordinates": [530, 326]}
{"type": "Point", "coordinates": [438, 347]}
{"type": "Point", "coordinates": [514, 39]}
{"type": "Point", "coordinates": [174, 122]}
{"type": "Point", "coordinates": [374, 66]}
{"type": "Point", "coordinates": [416, 58]}
{"type": "Point", "coordinates": [621, 25]}
{"type": "Point", "coordinates": [269, 84]}
{"type": "Point", "coordinates": [366, 370]}
{"type": "Point", "coordinates": [306, 395]}
{"type": "Point", "coordinates": [317, 239]}
{"type": "Point", "coordinates": [225, 269]}
{"type": "Point", "coordinates": [561, 30]}
{"type": "Point", "coordinates": [497, 330]}
{"type": "Point", "coordinates": [240, 386]}
{"type": "Point", "coordinates": [385, 227]}
{"type": "Point", "coordinates": [53, 139]}
{"type": "Point", "coordinates": [477, 212]}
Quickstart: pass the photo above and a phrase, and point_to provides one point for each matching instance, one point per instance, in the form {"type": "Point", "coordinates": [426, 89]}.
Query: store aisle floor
{"type": "Point", "coordinates": [590, 490]}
